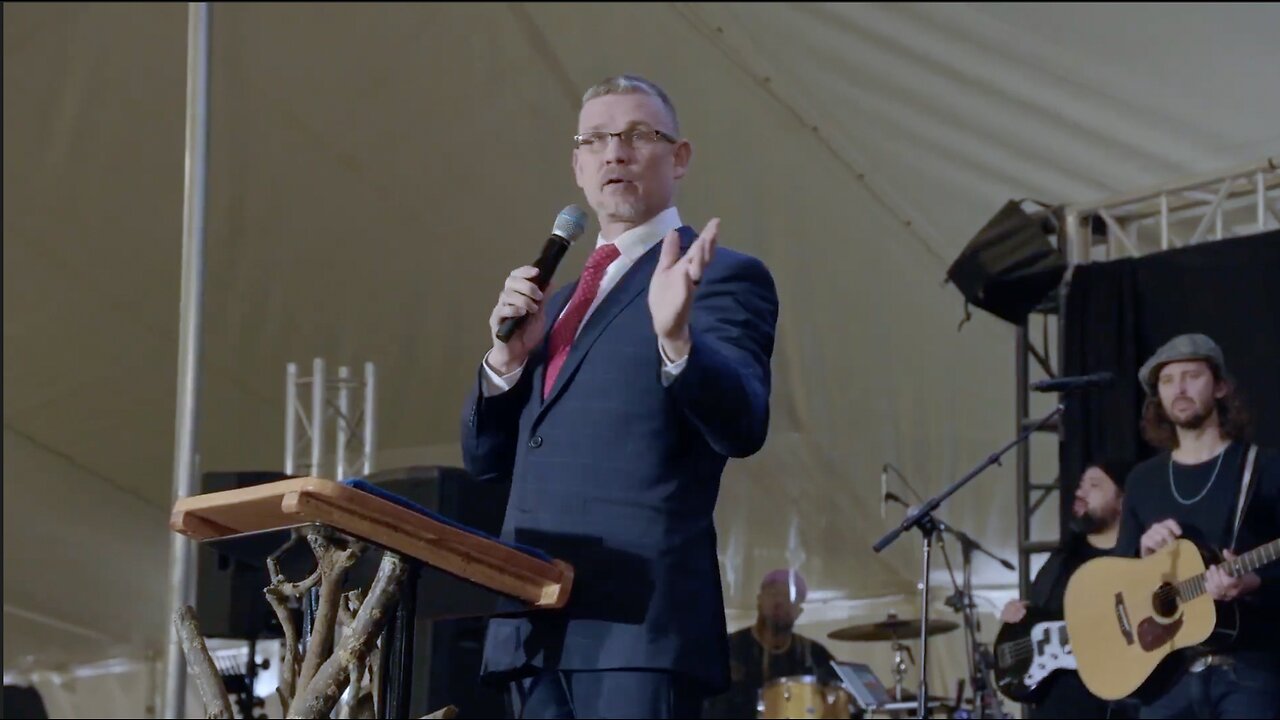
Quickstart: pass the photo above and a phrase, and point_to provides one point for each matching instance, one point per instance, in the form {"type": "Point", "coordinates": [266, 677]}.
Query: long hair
{"type": "Point", "coordinates": [1233, 417]}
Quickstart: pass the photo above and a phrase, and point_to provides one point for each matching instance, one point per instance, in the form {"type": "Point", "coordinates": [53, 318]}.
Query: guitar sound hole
{"type": "Point", "coordinates": [1165, 601]}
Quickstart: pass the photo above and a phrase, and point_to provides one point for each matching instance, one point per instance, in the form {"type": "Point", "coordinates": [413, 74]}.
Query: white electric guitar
{"type": "Point", "coordinates": [1029, 651]}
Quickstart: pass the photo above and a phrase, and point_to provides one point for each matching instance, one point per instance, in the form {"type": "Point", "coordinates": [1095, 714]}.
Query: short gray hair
{"type": "Point", "coordinates": [623, 84]}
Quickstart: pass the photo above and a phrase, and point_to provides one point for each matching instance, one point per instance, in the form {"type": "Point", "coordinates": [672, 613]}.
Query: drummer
{"type": "Point", "coordinates": [770, 648]}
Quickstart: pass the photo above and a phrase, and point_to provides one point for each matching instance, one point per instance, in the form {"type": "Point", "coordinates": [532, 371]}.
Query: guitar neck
{"type": "Point", "coordinates": [1194, 587]}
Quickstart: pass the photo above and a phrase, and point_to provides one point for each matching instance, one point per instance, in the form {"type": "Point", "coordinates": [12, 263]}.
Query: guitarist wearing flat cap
{"type": "Point", "coordinates": [1213, 487]}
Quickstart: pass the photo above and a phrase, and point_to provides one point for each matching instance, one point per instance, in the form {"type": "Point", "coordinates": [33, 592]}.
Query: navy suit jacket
{"type": "Point", "coordinates": [618, 475]}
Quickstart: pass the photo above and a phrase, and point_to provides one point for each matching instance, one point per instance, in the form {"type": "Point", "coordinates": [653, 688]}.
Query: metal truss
{"type": "Point", "coordinates": [353, 426]}
{"type": "Point", "coordinates": [1191, 211]}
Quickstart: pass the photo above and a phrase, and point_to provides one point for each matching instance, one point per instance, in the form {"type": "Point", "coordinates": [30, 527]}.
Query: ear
{"type": "Point", "coordinates": [683, 156]}
{"type": "Point", "coordinates": [799, 610]}
{"type": "Point", "coordinates": [1221, 388]}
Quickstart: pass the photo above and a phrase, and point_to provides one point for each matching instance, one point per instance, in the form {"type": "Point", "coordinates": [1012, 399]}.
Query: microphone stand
{"type": "Point", "coordinates": [923, 520]}
{"type": "Point", "coordinates": [961, 601]}
{"type": "Point", "coordinates": [967, 543]}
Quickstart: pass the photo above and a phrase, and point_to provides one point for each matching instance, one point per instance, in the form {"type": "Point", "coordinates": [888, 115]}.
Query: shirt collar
{"type": "Point", "coordinates": [637, 241]}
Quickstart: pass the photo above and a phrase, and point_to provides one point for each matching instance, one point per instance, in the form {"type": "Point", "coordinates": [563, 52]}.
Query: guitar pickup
{"type": "Point", "coordinates": [1122, 618]}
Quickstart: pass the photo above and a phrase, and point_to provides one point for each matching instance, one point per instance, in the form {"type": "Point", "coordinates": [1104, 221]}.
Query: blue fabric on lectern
{"type": "Point", "coordinates": [411, 506]}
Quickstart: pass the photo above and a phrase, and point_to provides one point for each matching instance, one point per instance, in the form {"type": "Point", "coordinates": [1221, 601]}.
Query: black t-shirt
{"type": "Point", "coordinates": [750, 667]}
{"type": "Point", "coordinates": [1202, 499]}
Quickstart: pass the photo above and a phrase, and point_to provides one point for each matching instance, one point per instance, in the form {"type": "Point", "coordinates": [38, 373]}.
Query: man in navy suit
{"type": "Point", "coordinates": [613, 410]}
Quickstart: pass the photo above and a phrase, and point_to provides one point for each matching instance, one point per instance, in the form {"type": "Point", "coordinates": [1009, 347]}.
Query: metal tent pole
{"type": "Point", "coordinates": [185, 460]}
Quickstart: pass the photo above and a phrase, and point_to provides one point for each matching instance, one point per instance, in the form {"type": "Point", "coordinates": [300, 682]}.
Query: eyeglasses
{"type": "Point", "coordinates": [636, 138]}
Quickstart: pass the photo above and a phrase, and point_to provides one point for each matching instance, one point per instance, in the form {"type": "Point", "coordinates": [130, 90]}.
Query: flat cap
{"type": "Point", "coordinates": [1192, 346]}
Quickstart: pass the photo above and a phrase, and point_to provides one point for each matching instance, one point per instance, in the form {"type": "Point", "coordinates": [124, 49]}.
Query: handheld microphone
{"type": "Point", "coordinates": [569, 225]}
{"type": "Point", "coordinates": [1077, 382]}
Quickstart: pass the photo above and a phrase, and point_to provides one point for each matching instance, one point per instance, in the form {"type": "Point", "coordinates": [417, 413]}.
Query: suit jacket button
{"type": "Point", "coordinates": [535, 441]}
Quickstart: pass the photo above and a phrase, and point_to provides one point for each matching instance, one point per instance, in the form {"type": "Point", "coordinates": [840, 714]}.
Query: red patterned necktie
{"type": "Point", "coordinates": [566, 328]}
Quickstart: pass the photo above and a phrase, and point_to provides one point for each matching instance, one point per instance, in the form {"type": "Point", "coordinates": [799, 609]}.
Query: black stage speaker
{"type": "Point", "coordinates": [450, 626]}
{"type": "Point", "coordinates": [1010, 266]}
{"type": "Point", "coordinates": [229, 598]}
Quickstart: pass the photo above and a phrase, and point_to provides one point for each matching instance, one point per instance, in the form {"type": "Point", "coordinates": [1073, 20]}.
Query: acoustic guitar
{"type": "Point", "coordinates": [1128, 615]}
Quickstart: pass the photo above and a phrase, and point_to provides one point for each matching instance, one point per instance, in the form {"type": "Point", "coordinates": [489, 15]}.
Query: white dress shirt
{"type": "Point", "coordinates": [632, 244]}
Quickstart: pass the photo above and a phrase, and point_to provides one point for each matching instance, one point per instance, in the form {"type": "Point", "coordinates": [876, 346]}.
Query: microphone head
{"type": "Point", "coordinates": [570, 223]}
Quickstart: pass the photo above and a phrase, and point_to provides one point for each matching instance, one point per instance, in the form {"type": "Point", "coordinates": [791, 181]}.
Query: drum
{"type": "Point", "coordinates": [802, 696]}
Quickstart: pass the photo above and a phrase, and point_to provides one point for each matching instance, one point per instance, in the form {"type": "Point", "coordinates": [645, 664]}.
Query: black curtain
{"type": "Point", "coordinates": [1118, 313]}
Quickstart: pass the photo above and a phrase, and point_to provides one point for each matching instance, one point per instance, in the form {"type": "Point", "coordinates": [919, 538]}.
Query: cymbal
{"type": "Point", "coordinates": [891, 628]}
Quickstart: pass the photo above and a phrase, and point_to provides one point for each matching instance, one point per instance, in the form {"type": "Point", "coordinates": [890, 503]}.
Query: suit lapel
{"type": "Point", "coordinates": [634, 282]}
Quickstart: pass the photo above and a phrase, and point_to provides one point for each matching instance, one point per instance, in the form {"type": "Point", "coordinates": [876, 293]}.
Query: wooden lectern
{"type": "Point", "coordinates": [380, 519]}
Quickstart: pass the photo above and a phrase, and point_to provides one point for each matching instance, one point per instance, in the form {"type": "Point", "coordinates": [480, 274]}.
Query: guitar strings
{"type": "Point", "coordinates": [1015, 650]}
{"type": "Point", "coordinates": [1019, 655]}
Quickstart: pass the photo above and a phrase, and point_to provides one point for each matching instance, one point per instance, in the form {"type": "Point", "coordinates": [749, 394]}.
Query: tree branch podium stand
{"type": "Point", "coordinates": [356, 635]}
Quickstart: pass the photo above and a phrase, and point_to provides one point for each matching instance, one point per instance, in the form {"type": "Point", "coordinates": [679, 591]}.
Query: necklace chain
{"type": "Point", "coordinates": [1208, 485]}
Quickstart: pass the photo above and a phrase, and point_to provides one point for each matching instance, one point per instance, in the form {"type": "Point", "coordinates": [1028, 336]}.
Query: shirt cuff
{"type": "Point", "coordinates": [670, 369]}
{"type": "Point", "coordinates": [494, 384]}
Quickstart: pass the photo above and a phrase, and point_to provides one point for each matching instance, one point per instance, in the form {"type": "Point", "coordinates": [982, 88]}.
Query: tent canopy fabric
{"type": "Point", "coordinates": [376, 170]}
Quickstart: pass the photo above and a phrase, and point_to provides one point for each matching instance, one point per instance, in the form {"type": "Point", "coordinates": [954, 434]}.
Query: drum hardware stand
{"type": "Point", "coordinates": [923, 520]}
{"type": "Point", "coordinates": [900, 668]}
{"type": "Point", "coordinates": [986, 701]}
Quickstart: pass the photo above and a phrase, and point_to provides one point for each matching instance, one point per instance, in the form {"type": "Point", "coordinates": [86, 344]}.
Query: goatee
{"type": "Point", "coordinates": [1194, 421]}
{"type": "Point", "coordinates": [1086, 523]}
